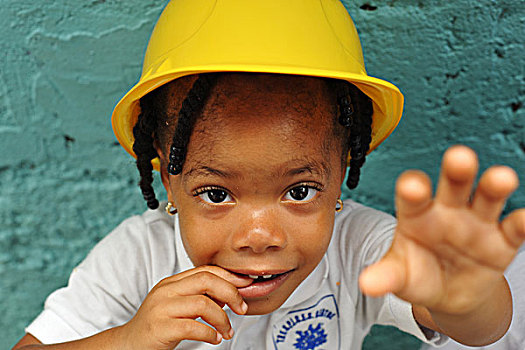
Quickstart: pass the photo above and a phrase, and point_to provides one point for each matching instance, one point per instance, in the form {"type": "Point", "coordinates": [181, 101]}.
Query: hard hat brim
{"type": "Point", "coordinates": [386, 97]}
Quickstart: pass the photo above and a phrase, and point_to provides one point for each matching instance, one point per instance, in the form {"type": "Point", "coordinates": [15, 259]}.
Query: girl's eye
{"type": "Point", "coordinates": [214, 196]}
{"type": "Point", "coordinates": [302, 193]}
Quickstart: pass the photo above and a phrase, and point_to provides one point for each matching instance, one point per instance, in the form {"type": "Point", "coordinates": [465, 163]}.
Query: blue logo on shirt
{"type": "Point", "coordinates": [309, 328]}
{"type": "Point", "coordinates": [311, 338]}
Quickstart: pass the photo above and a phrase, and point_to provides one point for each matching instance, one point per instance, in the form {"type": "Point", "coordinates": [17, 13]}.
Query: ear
{"type": "Point", "coordinates": [164, 176]}
{"type": "Point", "coordinates": [344, 170]}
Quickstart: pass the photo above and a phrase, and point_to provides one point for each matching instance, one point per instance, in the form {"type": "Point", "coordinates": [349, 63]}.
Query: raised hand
{"type": "Point", "coordinates": [167, 315]}
{"type": "Point", "coordinates": [449, 252]}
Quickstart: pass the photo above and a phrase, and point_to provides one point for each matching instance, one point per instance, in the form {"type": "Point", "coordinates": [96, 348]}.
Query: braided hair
{"type": "Point", "coordinates": [150, 127]}
{"type": "Point", "coordinates": [191, 108]}
{"type": "Point", "coordinates": [144, 131]}
{"type": "Point", "coordinates": [355, 114]}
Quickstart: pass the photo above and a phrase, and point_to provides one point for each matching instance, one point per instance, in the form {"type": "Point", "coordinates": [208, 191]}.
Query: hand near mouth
{"type": "Point", "coordinates": [168, 314]}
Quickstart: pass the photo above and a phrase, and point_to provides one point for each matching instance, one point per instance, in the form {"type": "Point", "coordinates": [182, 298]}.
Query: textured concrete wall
{"type": "Point", "coordinates": [64, 183]}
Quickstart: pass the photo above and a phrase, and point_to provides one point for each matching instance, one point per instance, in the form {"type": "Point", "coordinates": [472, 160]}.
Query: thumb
{"type": "Point", "coordinates": [386, 276]}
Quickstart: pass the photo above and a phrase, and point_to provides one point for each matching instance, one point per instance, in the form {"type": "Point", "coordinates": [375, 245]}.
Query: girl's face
{"type": "Point", "coordinates": [259, 186]}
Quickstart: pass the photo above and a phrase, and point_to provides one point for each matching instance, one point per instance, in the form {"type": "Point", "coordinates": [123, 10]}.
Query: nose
{"type": "Point", "coordinates": [260, 230]}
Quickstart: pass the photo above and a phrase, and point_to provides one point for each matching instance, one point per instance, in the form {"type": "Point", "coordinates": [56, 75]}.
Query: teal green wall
{"type": "Point", "coordinates": [64, 183]}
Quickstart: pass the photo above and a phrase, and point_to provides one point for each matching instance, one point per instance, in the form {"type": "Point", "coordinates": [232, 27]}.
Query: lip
{"type": "Point", "coordinates": [264, 288]}
{"type": "Point", "coordinates": [259, 272]}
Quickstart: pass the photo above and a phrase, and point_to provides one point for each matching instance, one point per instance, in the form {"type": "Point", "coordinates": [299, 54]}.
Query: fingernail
{"type": "Point", "coordinates": [244, 307]}
{"type": "Point", "coordinates": [230, 333]}
{"type": "Point", "coordinates": [219, 337]}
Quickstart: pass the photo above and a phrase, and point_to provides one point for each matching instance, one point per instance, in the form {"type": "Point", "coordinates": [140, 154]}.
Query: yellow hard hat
{"type": "Point", "coordinates": [301, 37]}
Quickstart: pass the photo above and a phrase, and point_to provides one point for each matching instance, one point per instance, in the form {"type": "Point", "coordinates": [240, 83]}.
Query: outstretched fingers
{"type": "Point", "coordinates": [458, 172]}
{"type": "Point", "coordinates": [513, 227]}
{"type": "Point", "coordinates": [386, 276]}
{"type": "Point", "coordinates": [494, 187]}
{"type": "Point", "coordinates": [413, 193]}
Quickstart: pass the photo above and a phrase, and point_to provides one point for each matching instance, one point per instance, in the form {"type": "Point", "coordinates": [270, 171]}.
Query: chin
{"type": "Point", "coordinates": [263, 306]}
{"type": "Point", "coordinates": [269, 303]}
{"type": "Point", "coordinates": [266, 295]}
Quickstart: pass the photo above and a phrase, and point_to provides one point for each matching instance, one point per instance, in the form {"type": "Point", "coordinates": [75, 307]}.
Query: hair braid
{"type": "Point", "coordinates": [143, 132]}
{"type": "Point", "coordinates": [190, 109]}
{"type": "Point", "coordinates": [356, 111]}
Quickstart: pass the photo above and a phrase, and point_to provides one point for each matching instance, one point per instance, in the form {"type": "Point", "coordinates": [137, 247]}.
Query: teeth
{"type": "Point", "coordinates": [263, 276]}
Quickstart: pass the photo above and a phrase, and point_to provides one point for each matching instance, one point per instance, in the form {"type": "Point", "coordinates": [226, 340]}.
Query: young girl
{"type": "Point", "coordinates": [251, 111]}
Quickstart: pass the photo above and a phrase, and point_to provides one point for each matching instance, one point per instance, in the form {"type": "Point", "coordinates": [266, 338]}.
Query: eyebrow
{"type": "Point", "coordinates": [312, 167]}
{"type": "Point", "coordinates": [204, 170]}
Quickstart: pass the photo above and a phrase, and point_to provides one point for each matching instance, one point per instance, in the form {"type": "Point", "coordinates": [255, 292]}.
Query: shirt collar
{"type": "Point", "coordinates": [182, 256]}
{"type": "Point", "coordinates": [310, 286]}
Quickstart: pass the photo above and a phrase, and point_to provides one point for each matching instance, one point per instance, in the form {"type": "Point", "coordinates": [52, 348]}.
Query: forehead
{"type": "Point", "coordinates": [260, 92]}
{"type": "Point", "coordinates": [282, 111]}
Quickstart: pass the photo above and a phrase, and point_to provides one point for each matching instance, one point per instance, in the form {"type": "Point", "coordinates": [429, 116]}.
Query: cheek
{"type": "Point", "coordinates": [197, 242]}
{"type": "Point", "coordinates": [201, 241]}
{"type": "Point", "coordinates": [312, 236]}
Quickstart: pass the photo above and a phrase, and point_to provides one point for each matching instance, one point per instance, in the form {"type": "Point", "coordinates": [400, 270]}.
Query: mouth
{"type": "Point", "coordinates": [263, 283]}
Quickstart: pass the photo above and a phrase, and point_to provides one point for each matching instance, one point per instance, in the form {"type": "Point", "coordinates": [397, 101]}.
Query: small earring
{"type": "Point", "coordinates": [170, 209]}
{"type": "Point", "coordinates": [339, 206]}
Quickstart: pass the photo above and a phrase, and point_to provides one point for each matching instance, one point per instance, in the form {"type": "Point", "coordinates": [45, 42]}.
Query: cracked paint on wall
{"type": "Point", "coordinates": [65, 182]}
